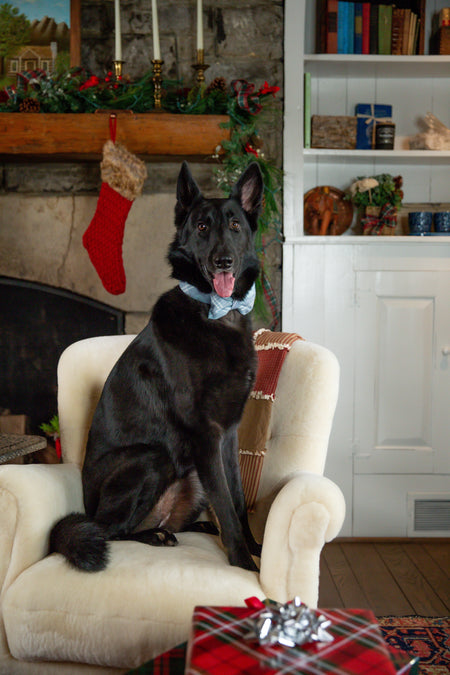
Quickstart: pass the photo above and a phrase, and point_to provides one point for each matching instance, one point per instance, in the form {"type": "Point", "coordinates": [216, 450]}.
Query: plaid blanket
{"type": "Point", "coordinates": [271, 349]}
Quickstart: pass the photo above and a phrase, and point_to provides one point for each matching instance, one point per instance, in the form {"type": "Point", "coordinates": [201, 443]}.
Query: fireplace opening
{"type": "Point", "coordinates": [37, 323]}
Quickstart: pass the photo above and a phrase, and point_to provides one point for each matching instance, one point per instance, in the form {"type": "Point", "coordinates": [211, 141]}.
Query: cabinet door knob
{"type": "Point", "coordinates": [446, 350]}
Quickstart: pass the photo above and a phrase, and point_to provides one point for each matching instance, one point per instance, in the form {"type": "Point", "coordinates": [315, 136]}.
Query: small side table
{"type": "Point", "coordinates": [13, 446]}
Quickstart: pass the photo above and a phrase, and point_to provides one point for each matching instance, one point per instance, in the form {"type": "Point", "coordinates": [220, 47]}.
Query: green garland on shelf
{"type": "Point", "coordinates": [78, 91]}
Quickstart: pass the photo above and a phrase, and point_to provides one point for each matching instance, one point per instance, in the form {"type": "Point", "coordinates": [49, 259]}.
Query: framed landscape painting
{"type": "Point", "coordinates": [38, 35]}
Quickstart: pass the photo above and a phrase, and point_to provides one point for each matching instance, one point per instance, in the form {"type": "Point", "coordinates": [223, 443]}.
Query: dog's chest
{"type": "Point", "coordinates": [224, 374]}
{"type": "Point", "coordinates": [208, 364]}
{"type": "Point", "coordinates": [221, 393]}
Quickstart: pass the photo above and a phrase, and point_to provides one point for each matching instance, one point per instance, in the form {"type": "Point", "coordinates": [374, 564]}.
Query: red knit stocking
{"type": "Point", "coordinates": [104, 237]}
{"type": "Point", "coordinates": [123, 176]}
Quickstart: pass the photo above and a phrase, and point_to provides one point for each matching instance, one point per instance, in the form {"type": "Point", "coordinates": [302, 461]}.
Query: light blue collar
{"type": "Point", "coordinates": [220, 306]}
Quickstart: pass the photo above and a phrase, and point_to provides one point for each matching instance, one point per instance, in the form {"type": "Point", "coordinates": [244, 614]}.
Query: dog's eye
{"type": "Point", "coordinates": [235, 226]}
{"type": "Point", "coordinates": [202, 227]}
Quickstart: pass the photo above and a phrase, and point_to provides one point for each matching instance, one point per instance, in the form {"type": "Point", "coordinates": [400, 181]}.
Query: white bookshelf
{"type": "Point", "coordinates": [386, 155]}
{"type": "Point", "coordinates": [413, 85]}
{"type": "Point", "coordinates": [379, 303]}
{"type": "Point", "coordinates": [368, 65]}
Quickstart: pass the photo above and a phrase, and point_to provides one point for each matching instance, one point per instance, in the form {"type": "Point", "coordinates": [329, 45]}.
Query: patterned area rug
{"type": "Point", "coordinates": [427, 638]}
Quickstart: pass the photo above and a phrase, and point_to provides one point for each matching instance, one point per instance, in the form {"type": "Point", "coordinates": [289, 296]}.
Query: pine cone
{"type": "Point", "coordinates": [256, 142]}
{"type": "Point", "coordinates": [218, 83]}
{"type": "Point", "coordinates": [30, 105]}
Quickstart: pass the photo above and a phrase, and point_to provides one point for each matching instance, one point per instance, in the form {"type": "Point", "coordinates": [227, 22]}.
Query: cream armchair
{"type": "Point", "coordinates": [61, 619]}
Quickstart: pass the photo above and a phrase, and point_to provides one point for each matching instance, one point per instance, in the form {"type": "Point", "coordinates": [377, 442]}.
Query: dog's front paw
{"type": "Point", "coordinates": [155, 537]}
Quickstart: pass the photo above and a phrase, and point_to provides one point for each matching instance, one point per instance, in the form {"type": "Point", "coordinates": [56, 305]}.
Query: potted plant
{"type": "Point", "coordinates": [51, 429]}
{"type": "Point", "coordinates": [377, 199]}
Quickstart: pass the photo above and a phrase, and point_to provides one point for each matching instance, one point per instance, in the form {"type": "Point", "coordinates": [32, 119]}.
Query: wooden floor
{"type": "Point", "coordinates": [390, 577]}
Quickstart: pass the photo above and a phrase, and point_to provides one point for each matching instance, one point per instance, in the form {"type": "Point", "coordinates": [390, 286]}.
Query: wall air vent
{"type": "Point", "coordinates": [429, 515]}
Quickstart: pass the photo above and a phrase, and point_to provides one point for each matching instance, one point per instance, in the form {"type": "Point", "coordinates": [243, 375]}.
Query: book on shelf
{"type": "Point", "coordinates": [409, 24]}
{"type": "Point", "coordinates": [413, 34]}
{"type": "Point", "coordinates": [307, 110]}
{"type": "Point", "coordinates": [330, 14]}
{"type": "Point", "coordinates": [366, 28]}
{"type": "Point", "coordinates": [373, 27]}
{"type": "Point", "coordinates": [349, 27]}
{"type": "Point", "coordinates": [342, 17]}
{"type": "Point", "coordinates": [397, 31]}
{"type": "Point", "coordinates": [345, 27]}
{"type": "Point", "coordinates": [384, 29]}
{"type": "Point", "coordinates": [357, 39]}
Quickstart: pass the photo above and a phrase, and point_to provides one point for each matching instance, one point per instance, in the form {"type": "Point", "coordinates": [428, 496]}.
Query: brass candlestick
{"type": "Point", "coordinates": [157, 79]}
{"type": "Point", "coordinates": [200, 66]}
{"type": "Point", "coordinates": [118, 69]}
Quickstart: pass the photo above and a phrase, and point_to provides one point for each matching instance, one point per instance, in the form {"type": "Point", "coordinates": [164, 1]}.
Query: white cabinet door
{"type": "Point", "coordinates": [402, 382]}
{"type": "Point", "coordinates": [441, 388]}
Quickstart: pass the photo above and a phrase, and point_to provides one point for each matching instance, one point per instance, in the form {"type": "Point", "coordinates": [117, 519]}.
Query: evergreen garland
{"type": "Point", "coordinates": [78, 91]}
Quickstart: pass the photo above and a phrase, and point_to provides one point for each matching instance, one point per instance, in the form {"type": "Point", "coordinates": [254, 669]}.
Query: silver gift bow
{"type": "Point", "coordinates": [289, 625]}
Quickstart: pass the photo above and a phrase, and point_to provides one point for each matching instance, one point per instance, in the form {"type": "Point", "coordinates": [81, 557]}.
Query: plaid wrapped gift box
{"type": "Point", "coordinates": [218, 647]}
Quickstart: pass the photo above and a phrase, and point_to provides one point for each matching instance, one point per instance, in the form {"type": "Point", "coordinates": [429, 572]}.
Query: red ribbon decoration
{"type": "Point", "coordinates": [374, 225]}
{"type": "Point", "coordinates": [246, 97]}
{"type": "Point", "coordinates": [254, 603]}
{"type": "Point", "coordinates": [113, 126]}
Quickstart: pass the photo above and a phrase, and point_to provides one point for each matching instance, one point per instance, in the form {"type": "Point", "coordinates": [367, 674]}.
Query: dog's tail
{"type": "Point", "coordinates": [82, 541]}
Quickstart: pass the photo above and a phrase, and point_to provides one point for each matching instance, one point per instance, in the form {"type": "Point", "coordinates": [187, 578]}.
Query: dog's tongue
{"type": "Point", "coordinates": [224, 284]}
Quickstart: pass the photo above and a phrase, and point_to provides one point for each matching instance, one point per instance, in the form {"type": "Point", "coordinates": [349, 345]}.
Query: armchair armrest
{"type": "Point", "coordinates": [307, 512]}
{"type": "Point", "coordinates": [32, 499]}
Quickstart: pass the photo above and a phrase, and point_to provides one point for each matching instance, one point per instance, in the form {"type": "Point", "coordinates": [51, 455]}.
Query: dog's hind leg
{"type": "Point", "coordinates": [131, 490]}
{"type": "Point", "coordinates": [114, 507]}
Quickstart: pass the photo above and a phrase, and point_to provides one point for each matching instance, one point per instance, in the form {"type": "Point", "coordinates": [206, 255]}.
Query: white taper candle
{"type": "Point", "coordinates": [118, 50]}
{"type": "Point", "coordinates": [199, 24]}
{"type": "Point", "coordinates": [156, 49]}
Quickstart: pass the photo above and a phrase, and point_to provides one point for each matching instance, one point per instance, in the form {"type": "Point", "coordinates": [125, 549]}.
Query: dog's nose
{"type": "Point", "coordinates": [224, 262]}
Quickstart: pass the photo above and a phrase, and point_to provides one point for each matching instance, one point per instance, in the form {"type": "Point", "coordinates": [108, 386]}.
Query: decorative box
{"type": "Point", "coordinates": [366, 114]}
{"type": "Point", "coordinates": [333, 131]}
{"type": "Point", "coordinates": [14, 424]}
{"type": "Point", "coordinates": [441, 41]}
{"type": "Point", "coordinates": [219, 645]}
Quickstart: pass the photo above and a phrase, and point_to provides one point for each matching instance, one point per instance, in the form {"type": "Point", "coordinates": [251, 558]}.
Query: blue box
{"type": "Point", "coordinates": [366, 114]}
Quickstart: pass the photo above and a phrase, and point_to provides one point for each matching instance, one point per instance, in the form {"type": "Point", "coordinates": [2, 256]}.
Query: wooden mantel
{"type": "Point", "coordinates": [82, 136]}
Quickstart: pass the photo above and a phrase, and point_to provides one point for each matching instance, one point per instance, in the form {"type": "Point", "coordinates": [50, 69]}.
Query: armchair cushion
{"type": "Point", "coordinates": [142, 603]}
{"type": "Point", "coordinates": [138, 607]}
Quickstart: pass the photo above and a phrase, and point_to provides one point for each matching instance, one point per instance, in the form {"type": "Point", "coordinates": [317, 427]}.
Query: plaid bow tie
{"type": "Point", "coordinates": [220, 306]}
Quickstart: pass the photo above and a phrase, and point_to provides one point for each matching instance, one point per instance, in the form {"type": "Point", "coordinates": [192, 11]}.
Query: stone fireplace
{"type": "Point", "coordinates": [46, 208]}
{"type": "Point", "coordinates": [37, 323]}
{"type": "Point", "coordinates": [50, 293]}
{"type": "Point", "coordinates": [46, 205]}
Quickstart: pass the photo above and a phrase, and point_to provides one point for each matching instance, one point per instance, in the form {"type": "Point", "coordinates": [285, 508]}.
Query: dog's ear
{"type": "Point", "coordinates": [249, 190]}
{"type": "Point", "coordinates": [187, 189]}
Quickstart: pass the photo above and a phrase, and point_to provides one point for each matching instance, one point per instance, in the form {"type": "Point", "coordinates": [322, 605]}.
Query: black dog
{"type": "Point", "coordinates": [164, 435]}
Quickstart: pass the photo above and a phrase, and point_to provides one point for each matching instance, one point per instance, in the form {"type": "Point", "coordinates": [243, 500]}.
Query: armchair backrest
{"type": "Point", "coordinates": [82, 371]}
{"type": "Point", "coordinates": [302, 412]}
{"type": "Point", "coordinates": [302, 415]}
